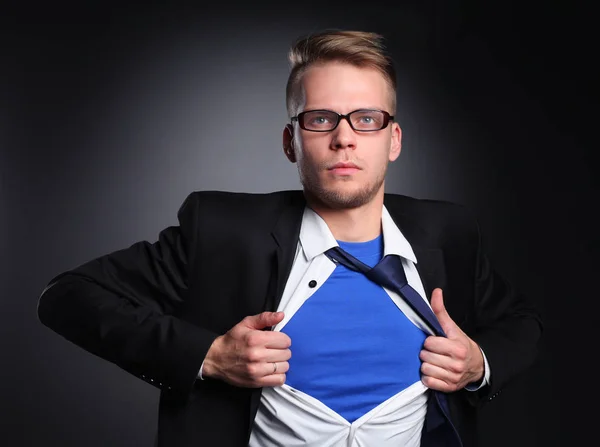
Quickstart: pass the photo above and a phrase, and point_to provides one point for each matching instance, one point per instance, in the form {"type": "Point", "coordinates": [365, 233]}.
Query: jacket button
{"type": "Point", "coordinates": [312, 284]}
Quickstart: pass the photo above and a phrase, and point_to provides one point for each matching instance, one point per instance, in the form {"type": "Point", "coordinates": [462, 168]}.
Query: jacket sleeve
{"type": "Point", "coordinates": [122, 307]}
{"type": "Point", "coordinates": [507, 326]}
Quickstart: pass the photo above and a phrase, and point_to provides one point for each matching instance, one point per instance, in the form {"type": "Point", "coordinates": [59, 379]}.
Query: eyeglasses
{"type": "Point", "coordinates": [362, 120]}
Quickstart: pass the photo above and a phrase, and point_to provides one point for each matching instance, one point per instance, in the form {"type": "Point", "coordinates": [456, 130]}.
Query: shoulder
{"type": "Point", "coordinates": [226, 205]}
{"type": "Point", "coordinates": [225, 199]}
{"type": "Point", "coordinates": [434, 217]}
{"type": "Point", "coordinates": [427, 208]}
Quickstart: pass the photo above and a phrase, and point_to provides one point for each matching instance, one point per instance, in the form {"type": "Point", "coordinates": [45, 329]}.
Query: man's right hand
{"type": "Point", "coordinates": [248, 356]}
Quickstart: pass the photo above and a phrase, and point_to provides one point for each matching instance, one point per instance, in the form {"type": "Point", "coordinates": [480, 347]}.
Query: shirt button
{"type": "Point", "coordinates": [312, 284]}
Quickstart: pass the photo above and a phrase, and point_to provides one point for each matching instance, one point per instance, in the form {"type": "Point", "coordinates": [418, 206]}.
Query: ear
{"type": "Point", "coordinates": [288, 143]}
{"type": "Point", "coordinates": [396, 142]}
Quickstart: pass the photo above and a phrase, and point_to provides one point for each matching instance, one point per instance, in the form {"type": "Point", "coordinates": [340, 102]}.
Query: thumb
{"type": "Point", "coordinates": [264, 319]}
{"type": "Point", "coordinates": [437, 305]}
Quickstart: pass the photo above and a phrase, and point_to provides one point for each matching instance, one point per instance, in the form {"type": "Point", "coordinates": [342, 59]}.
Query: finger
{"type": "Point", "coordinates": [272, 380]}
{"type": "Point", "coordinates": [438, 345]}
{"type": "Point", "coordinates": [439, 309]}
{"type": "Point", "coordinates": [278, 355]}
{"type": "Point", "coordinates": [274, 368]}
{"type": "Point", "coordinates": [436, 384]}
{"type": "Point", "coordinates": [439, 373]}
{"type": "Point", "coordinates": [437, 304]}
{"type": "Point", "coordinates": [440, 360]}
{"type": "Point", "coordinates": [263, 320]}
{"type": "Point", "coordinates": [256, 338]}
{"type": "Point", "coordinates": [444, 360]}
{"type": "Point", "coordinates": [277, 340]}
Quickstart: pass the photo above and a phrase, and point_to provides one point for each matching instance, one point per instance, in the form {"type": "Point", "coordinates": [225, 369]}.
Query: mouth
{"type": "Point", "coordinates": [343, 168]}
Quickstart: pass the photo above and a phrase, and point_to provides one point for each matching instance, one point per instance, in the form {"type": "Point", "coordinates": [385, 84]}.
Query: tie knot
{"type": "Point", "coordinates": [341, 256]}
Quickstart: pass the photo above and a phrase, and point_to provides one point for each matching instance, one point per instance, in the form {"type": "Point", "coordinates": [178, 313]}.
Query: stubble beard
{"type": "Point", "coordinates": [338, 198]}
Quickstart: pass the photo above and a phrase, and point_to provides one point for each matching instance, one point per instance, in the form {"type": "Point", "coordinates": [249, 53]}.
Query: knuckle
{"type": "Point", "coordinates": [455, 367]}
{"type": "Point", "coordinates": [254, 338]}
{"type": "Point", "coordinates": [251, 369]}
{"type": "Point", "coordinates": [235, 333]}
{"type": "Point", "coordinates": [462, 351]}
{"type": "Point", "coordinates": [253, 355]}
{"type": "Point", "coordinates": [246, 321]}
{"type": "Point", "coordinates": [456, 380]}
{"type": "Point", "coordinates": [424, 368]}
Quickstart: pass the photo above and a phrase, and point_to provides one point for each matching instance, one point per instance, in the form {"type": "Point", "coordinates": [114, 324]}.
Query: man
{"type": "Point", "coordinates": [258, 331]}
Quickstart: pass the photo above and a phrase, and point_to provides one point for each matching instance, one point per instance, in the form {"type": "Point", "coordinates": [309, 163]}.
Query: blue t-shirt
{"type": "Point", "coordinates": [352, 347]}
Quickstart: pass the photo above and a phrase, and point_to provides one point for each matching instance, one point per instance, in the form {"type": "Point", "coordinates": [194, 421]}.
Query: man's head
{"type": "Point", "coordinates": [343, 165]}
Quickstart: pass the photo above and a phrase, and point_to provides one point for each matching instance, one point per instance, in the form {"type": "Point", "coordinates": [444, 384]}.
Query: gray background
{"type": "Point", "coordinates": [111, 114]}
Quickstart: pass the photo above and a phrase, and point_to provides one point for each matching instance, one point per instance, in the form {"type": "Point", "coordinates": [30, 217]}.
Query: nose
{"type": "Point", "coordinates": [344, 137]}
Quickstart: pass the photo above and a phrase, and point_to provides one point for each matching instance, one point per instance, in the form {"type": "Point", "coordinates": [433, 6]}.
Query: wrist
{"type": "Point", "coordinates": [209, 366]}
{"type": "Point", "coordinates": [478, 370]}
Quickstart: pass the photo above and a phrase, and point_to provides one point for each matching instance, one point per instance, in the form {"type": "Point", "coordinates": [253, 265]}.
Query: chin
{"type": "Point", "coordinates": [341, 198]}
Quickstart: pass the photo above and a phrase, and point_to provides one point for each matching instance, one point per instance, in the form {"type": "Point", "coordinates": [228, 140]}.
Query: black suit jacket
{"type": "Point", "coordinates": [154, 309]}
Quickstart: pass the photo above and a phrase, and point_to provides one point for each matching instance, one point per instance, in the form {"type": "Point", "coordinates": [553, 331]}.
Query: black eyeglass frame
{"type": "Point", "coordinates": [386, 119]}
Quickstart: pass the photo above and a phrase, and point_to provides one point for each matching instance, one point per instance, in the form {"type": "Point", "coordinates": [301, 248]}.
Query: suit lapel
{"type": "Point", "coordinates": [286, 233]}
{"type": "Point", "coordinates": [430, 265]}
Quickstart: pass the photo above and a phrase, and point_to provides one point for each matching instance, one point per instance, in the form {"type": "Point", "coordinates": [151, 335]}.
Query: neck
{"type": "Point", "coordinates": [358, 224]}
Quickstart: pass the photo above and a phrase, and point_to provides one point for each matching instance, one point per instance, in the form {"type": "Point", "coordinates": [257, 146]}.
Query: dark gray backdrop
{"type": "Point", "coordinates": [111, 114]}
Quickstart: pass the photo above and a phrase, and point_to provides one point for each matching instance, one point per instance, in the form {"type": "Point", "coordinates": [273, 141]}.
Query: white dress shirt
{"type": "Point", "coordinates": [287, 416]}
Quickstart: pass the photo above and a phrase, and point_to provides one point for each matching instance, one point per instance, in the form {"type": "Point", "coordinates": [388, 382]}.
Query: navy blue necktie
{"type": "Point", "coordinates": [390, 274]}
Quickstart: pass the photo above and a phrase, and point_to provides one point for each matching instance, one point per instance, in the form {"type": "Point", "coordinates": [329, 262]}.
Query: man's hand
{"type": "Point", "coordinates": [449, 364]}
{"type": "Point", "coordinates": [248, 356]}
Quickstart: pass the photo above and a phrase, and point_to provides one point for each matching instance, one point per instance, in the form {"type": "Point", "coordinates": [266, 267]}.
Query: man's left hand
{"type": "Point", "coordinates": [452, 362]}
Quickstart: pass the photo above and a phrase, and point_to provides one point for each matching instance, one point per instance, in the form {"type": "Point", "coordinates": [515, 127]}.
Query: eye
{"type": "Point", "coordinates": [367, 119]}
{"type": "Point", "coordinates": [319, 119]}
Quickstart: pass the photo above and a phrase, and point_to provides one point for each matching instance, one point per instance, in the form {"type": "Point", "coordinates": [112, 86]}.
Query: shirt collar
{"type": "Point", "coordinates": [316, 238]}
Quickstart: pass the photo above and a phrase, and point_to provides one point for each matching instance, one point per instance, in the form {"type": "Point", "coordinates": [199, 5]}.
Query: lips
{"type": "Point", "coordinates": [343, 165]}
{"type": "Point", "coordinates": [344, 168]}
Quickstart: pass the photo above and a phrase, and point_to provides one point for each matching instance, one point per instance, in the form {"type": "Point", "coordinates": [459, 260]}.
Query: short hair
{"type": "Point", "coordinates": [358, 48]}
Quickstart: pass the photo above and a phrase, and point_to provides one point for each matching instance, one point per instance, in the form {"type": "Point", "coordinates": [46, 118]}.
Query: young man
{"type": "Point", "coordinates": [258, 331]}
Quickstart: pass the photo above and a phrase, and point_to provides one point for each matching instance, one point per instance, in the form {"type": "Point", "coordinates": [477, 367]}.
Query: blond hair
{"type": "Point", "coordinates": [358, 48]}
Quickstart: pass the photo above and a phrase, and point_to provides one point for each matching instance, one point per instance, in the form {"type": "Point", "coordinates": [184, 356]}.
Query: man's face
{"type": "Point", "coordinates": [343, 168]}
